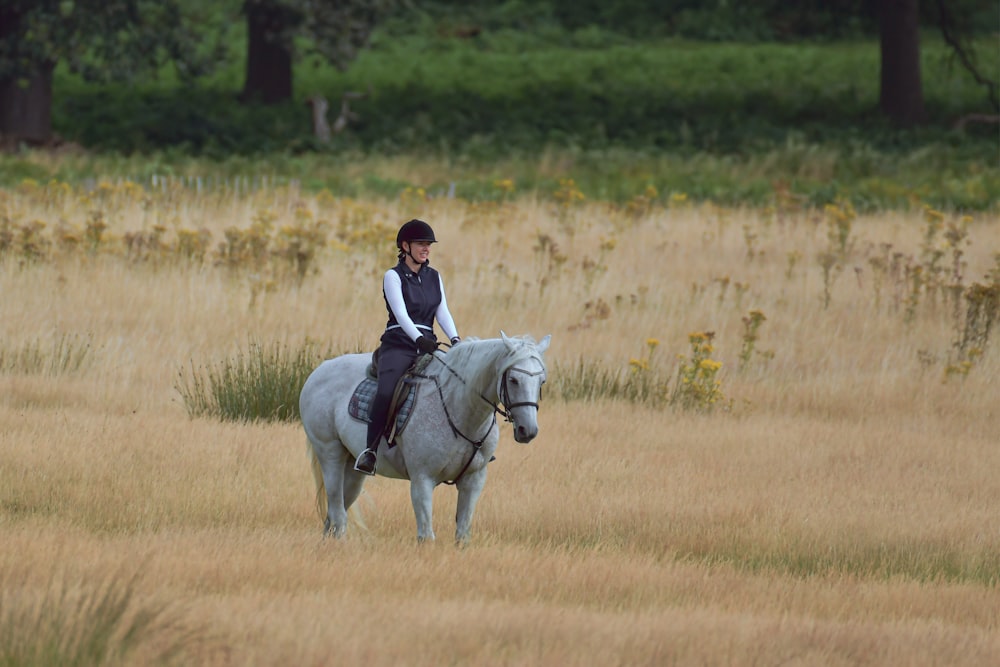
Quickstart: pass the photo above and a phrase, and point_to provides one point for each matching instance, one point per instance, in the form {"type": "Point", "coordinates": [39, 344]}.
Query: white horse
{"type": "Point", "coordinates": [450, 435]}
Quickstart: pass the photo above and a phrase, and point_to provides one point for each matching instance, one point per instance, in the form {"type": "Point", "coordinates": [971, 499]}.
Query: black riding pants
{"type": "Point", "coordinates": [396, 354]}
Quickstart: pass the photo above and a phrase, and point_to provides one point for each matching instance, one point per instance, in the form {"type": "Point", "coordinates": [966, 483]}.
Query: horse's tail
{"type": "Point", "coordinates": [318, 478]}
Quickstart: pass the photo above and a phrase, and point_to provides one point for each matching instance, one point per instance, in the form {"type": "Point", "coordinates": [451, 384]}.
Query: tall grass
{"type": "Point", "coordinates": [62, 355]}
{"type": "Point", "coordinates": [846, 516]}
{"type": "Point", "coordinates": [88, 624]}
{"type": "Point", "coordinates": [259, 384]}
{"type": "Point", "coordinates": [263, 383]}
{"type": "Point", "coordinates": [941, 173]}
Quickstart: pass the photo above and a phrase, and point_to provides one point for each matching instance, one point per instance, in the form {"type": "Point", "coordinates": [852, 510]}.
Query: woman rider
{"type": "Point", "coordinates": [414, 297]}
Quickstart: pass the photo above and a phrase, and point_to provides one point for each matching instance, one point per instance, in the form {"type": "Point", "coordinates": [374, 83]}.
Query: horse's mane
{"type": "Point", "coordinates": [462, 356]}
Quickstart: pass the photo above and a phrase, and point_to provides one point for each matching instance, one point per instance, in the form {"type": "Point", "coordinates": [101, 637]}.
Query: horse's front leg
{"type": "Point", "coordinates": [421, 495]}
{"type": "Point", "coordinates": [469, 489]}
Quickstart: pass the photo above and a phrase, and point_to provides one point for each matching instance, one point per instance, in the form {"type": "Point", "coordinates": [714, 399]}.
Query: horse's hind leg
{"type": "Point", "coordinates": [332, 459]}
{"type": "Point", "coordinates": [354, 481]}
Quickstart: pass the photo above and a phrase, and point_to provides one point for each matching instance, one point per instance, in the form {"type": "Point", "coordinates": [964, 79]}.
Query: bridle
{"type": "Point", "coordinates": [503, 393]}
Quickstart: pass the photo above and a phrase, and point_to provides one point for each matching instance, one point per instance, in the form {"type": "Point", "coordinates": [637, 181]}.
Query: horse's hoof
{"type": "Point", "coordinates": [330, 530]}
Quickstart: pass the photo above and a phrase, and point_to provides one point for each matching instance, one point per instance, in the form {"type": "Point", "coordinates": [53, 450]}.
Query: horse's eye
{"type": "Point", "coordinates": [515, 381]}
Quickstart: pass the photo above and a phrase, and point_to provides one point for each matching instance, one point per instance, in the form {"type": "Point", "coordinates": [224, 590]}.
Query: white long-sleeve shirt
{"type": "Point", "coordinates": [392, 287]}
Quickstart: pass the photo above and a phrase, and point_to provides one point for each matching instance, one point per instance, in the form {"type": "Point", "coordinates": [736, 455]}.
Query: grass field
{"type": "Point", "coordinates": [837, 505]}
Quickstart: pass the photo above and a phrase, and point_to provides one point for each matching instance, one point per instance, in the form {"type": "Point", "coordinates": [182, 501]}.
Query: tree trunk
{"type": "Point", "coordinates": [901, 97]}
{"type": "Point", "coordinates": [26, 110]}
{"type": "Point", "coordinates": [269, 54]}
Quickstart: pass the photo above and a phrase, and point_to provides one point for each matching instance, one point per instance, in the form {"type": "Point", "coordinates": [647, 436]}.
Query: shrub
{"type": "Point", "coordinates": [261, 384]}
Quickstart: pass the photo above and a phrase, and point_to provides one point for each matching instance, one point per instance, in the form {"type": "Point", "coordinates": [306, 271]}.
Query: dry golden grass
{"type": "Point", "coordinates": [844, 511]}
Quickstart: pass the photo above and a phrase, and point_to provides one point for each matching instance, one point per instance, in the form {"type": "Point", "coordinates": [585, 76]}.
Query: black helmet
{"type": "Point", "coordinates": [414, 230]}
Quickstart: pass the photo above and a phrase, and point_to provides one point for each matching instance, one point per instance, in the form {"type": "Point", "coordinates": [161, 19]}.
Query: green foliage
{"type": "Point", "coordinates": [681, 96]}
{"type": "Point", "coordinates": [337, 31]}
{"type": "Point", "coordinates": [261, 384]}
{"type": "Point", "coordinates": [102, 41]}
{"type": "Point", "coordinates": [745, 20]}
{"type": "Point", "coordinates": [718, 122]}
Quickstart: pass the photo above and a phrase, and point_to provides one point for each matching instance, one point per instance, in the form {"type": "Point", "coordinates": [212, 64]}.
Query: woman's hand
{"type": "Point", "coordinates": [426, 344]}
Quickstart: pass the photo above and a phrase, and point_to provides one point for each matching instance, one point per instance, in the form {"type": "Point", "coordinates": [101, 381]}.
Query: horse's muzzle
{"type": "Point", "coordinates": [525, 434]}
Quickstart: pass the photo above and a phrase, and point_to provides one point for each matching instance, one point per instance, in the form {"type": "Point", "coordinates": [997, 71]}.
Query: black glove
{"type": "Point", "coordinates": [426, 344]}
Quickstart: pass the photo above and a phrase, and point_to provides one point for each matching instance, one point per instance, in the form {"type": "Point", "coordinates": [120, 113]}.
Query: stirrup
{"type": "Point", "coordinates": [366, 462]}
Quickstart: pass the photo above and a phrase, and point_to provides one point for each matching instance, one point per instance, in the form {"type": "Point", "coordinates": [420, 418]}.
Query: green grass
{"type": "Point", "coordinates": [261, 384]}
{"type": "Point", "coordinates": [946, 177]}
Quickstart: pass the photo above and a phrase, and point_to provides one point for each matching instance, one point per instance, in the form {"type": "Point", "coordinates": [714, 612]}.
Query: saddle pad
{"type": "Point", "coordinates": [360, 404]}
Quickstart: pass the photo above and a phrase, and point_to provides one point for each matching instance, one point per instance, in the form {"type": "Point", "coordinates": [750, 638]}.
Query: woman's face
{"type": "Point", "coordinates": [421, 251]}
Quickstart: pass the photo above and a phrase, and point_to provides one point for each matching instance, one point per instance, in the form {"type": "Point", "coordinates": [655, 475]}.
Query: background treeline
{"type": "Point", "coordinates": [516, 91]}
{"type": "Point", "coordinates": [727, 100]}
{"type": "Point", "coordinates": [679, 74]}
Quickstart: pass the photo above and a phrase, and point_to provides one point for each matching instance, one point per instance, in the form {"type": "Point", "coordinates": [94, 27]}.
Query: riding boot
{"type": "Point", "coordinates": [366, 459]}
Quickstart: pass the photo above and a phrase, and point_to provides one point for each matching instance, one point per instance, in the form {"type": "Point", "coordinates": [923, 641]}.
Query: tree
{"type": "Point", "coordinates": [270, 29]}
{"type": "Point", "coordinates": [957, 27]}
{"type": "Point", "coordinates": [97, 39]}
{"type": "Point", "coordinates": [336, 31]}
{"type": "Point", "coordinates": [25, 74]}
{"type": "Point", "coordinates": [901, 96]}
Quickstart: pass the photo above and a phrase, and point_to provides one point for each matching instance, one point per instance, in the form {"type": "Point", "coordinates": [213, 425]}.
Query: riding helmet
{"type": "Point", "coordinates": [414, 230]}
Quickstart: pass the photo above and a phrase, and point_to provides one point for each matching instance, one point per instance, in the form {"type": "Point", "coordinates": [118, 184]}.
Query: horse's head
{"type": "Point", "coordinates": [520, 384]}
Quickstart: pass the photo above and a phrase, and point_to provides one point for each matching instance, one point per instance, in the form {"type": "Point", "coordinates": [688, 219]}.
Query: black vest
{"type": "Point", "coordinates": [421, 294]}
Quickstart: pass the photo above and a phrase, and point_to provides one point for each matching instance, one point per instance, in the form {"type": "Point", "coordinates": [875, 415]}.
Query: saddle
{"type": "Point", "coordinates": [403, 397]}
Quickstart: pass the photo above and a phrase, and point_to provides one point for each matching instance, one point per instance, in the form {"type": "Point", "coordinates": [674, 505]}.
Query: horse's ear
{"type": "Point", "coordinates": [506, 340]}
{"type": "Point", "coordinates": [543, 344]}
